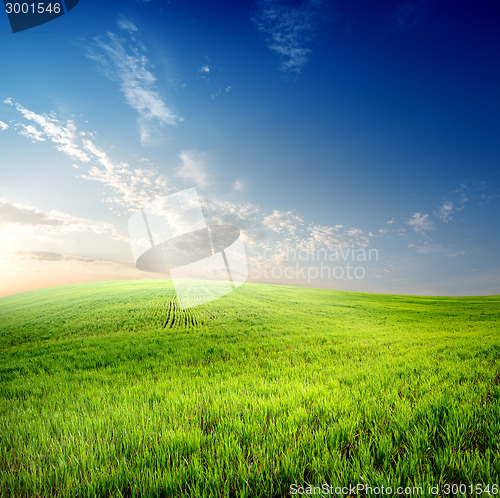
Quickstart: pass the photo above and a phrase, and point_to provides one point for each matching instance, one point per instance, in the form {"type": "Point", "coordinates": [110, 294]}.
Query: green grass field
{"type": "Point", "coordinates": [109, 389]}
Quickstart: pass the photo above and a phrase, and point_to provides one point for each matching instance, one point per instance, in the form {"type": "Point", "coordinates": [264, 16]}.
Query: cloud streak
{"type": "Point", "coordinates": [283, 222]}
{"type": "Point", "coordinates": [41, 127]}
{"type": "Point", "coordinates": [193, 168]}
{"type": "Point", "coordinates": [421, 223]}
{"type": "Point", "coordinates": [47, 256]}
{"type": "Point", "coordinates": [288, 30]}
{"type": "Point", "coordinates": [445, 212]}
{"type": "Point", "coordinates": [125, 185]}
{"type": "Point", "coordinates": [129, 65]}
{"type": "Point", "coordinates": [270, 235]}
{"type": "Point", "coordinates": [24, 219]}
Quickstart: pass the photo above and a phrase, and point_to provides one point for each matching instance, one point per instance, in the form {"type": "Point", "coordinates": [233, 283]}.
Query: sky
{"type": "Point", "coordinates": [355, 144]}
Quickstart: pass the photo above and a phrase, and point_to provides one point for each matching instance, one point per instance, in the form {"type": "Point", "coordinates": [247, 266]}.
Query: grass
{"type": "Point", "coordinates": [109, 389]}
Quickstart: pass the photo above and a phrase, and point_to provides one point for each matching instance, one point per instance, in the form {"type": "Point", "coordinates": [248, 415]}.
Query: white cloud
{"type": "Point", "coordinates": [457, 253]}
{"type": "Point", "coordinates": [214, 78]}
{"type": "Point", "coordinates": [238, 185]}
{"type": "Point", "coordinates": [428, 248]}
{"type": "Point", "coordinates": [288, 29]}
{"type": "Point", "coordinates": [21, 218]}
{"type": "Point", "coordinates": [445, 211]}
{"type": "Point", "coordinates": [41, 126]}
{"type": "Point", "coordinates": [131, 68]}
{"type": "Point", "coordinates": [479, 193]}
{"type": "Point", "coordinates": [276, 232]}
{"type": "Point", "coordinates": [17, 214]}
{"type": "Point", "coordinates": [193, 168]}
{"type": "Point", "coordinates": [283, 222]}
{"type": "Point", "coordinates": [420, 223]}
{"type": "Point", "coordinates": [247, 217]}
{"type": "Point", "coordinates": [130, 187]}
{"type": "Point", "coordinates": [333, 238]}
{"type": "Point", "coordinates": [29, 131]}
{"type": "Point", "coordinates": [45, 256]}
{"type": "Point", "coordinates": [219, 91]}
{"type": "Point", "coordinates": [3, 126]}
{"type": "Point", "coordinates": [127, 26]}
{"type": "Point", "coordinates": [127, 186]}
{"type": "Point", "coordinates": [292, 236]}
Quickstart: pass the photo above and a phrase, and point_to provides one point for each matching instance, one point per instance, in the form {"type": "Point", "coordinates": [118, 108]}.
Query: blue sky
{"type": "Point", "coordinates": [316, 127]}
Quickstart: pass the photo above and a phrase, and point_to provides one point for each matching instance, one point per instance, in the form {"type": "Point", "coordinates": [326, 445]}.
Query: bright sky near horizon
{"type": "Point", "coordinates": [336, 135]}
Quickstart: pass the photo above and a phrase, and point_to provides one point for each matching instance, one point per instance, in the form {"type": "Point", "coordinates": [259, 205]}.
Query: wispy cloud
{"type": "Point", "coordinates": [445, 212]}
{"type": "Point", "coordinates": [42, 126]}
{"type": "Point", "coordinates": [421, 223]}
{"type": "Point", "coordinates": [293, 237]}
{"type": "Point", "coordinates": [333, 238]}
{"type": "Point", "coordinates": [246, 216]}
{"type": "Point", "coordinates": [193, 168]}
{"type": "Point", "coordinates": [28, 219]}
{"type": "Point", "coordinates": [457, 253]}
{"type": "Point", "coordinates": [128, 64]}
{"type": "Point", "coordinates": [47, 256]}
{"type": "Point", "coordinates": [270, 235]}
{"type": "Point", "coordinates": [470, 193]}
{"type": "Point", "coordinates": [283, 222]}
{"type": "Point", "coordinates": [129, 187]}
{"type": "Point", "coordinates": [126, 186]}
{"type": "Point", "coordinates": [29, 131]}
{"type": "Point", "coordinates": [214, 78]}
{"type": "Point", "coordinates": [127, 25]}
{"type": "Point", "coordinates": [273, 238]}
{"type": "Point", "coordinates": [289, 29]}
{"type": "Point", "coordinates": [479, 193]}
{"type": "Point", "coordinates": [3, 126]}
{"type": "Point", "coordinates": [238, 185]}
{"type": "Point", "coordinates": [17, 214]}
{"type": "Point", "coordinates": [428, 247]}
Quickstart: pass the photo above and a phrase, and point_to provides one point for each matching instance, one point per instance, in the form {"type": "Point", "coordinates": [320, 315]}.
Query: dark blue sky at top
{"type": "Point", "coordinates": [391, 97]}
{"type": "Point", "coordinates": [418, 87]}
{"type": "Point", "coordinates": [394, 103]}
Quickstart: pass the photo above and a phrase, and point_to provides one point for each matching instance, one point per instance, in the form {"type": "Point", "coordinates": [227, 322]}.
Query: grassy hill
{"type": "Point", "coordinates": [109, 389]}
